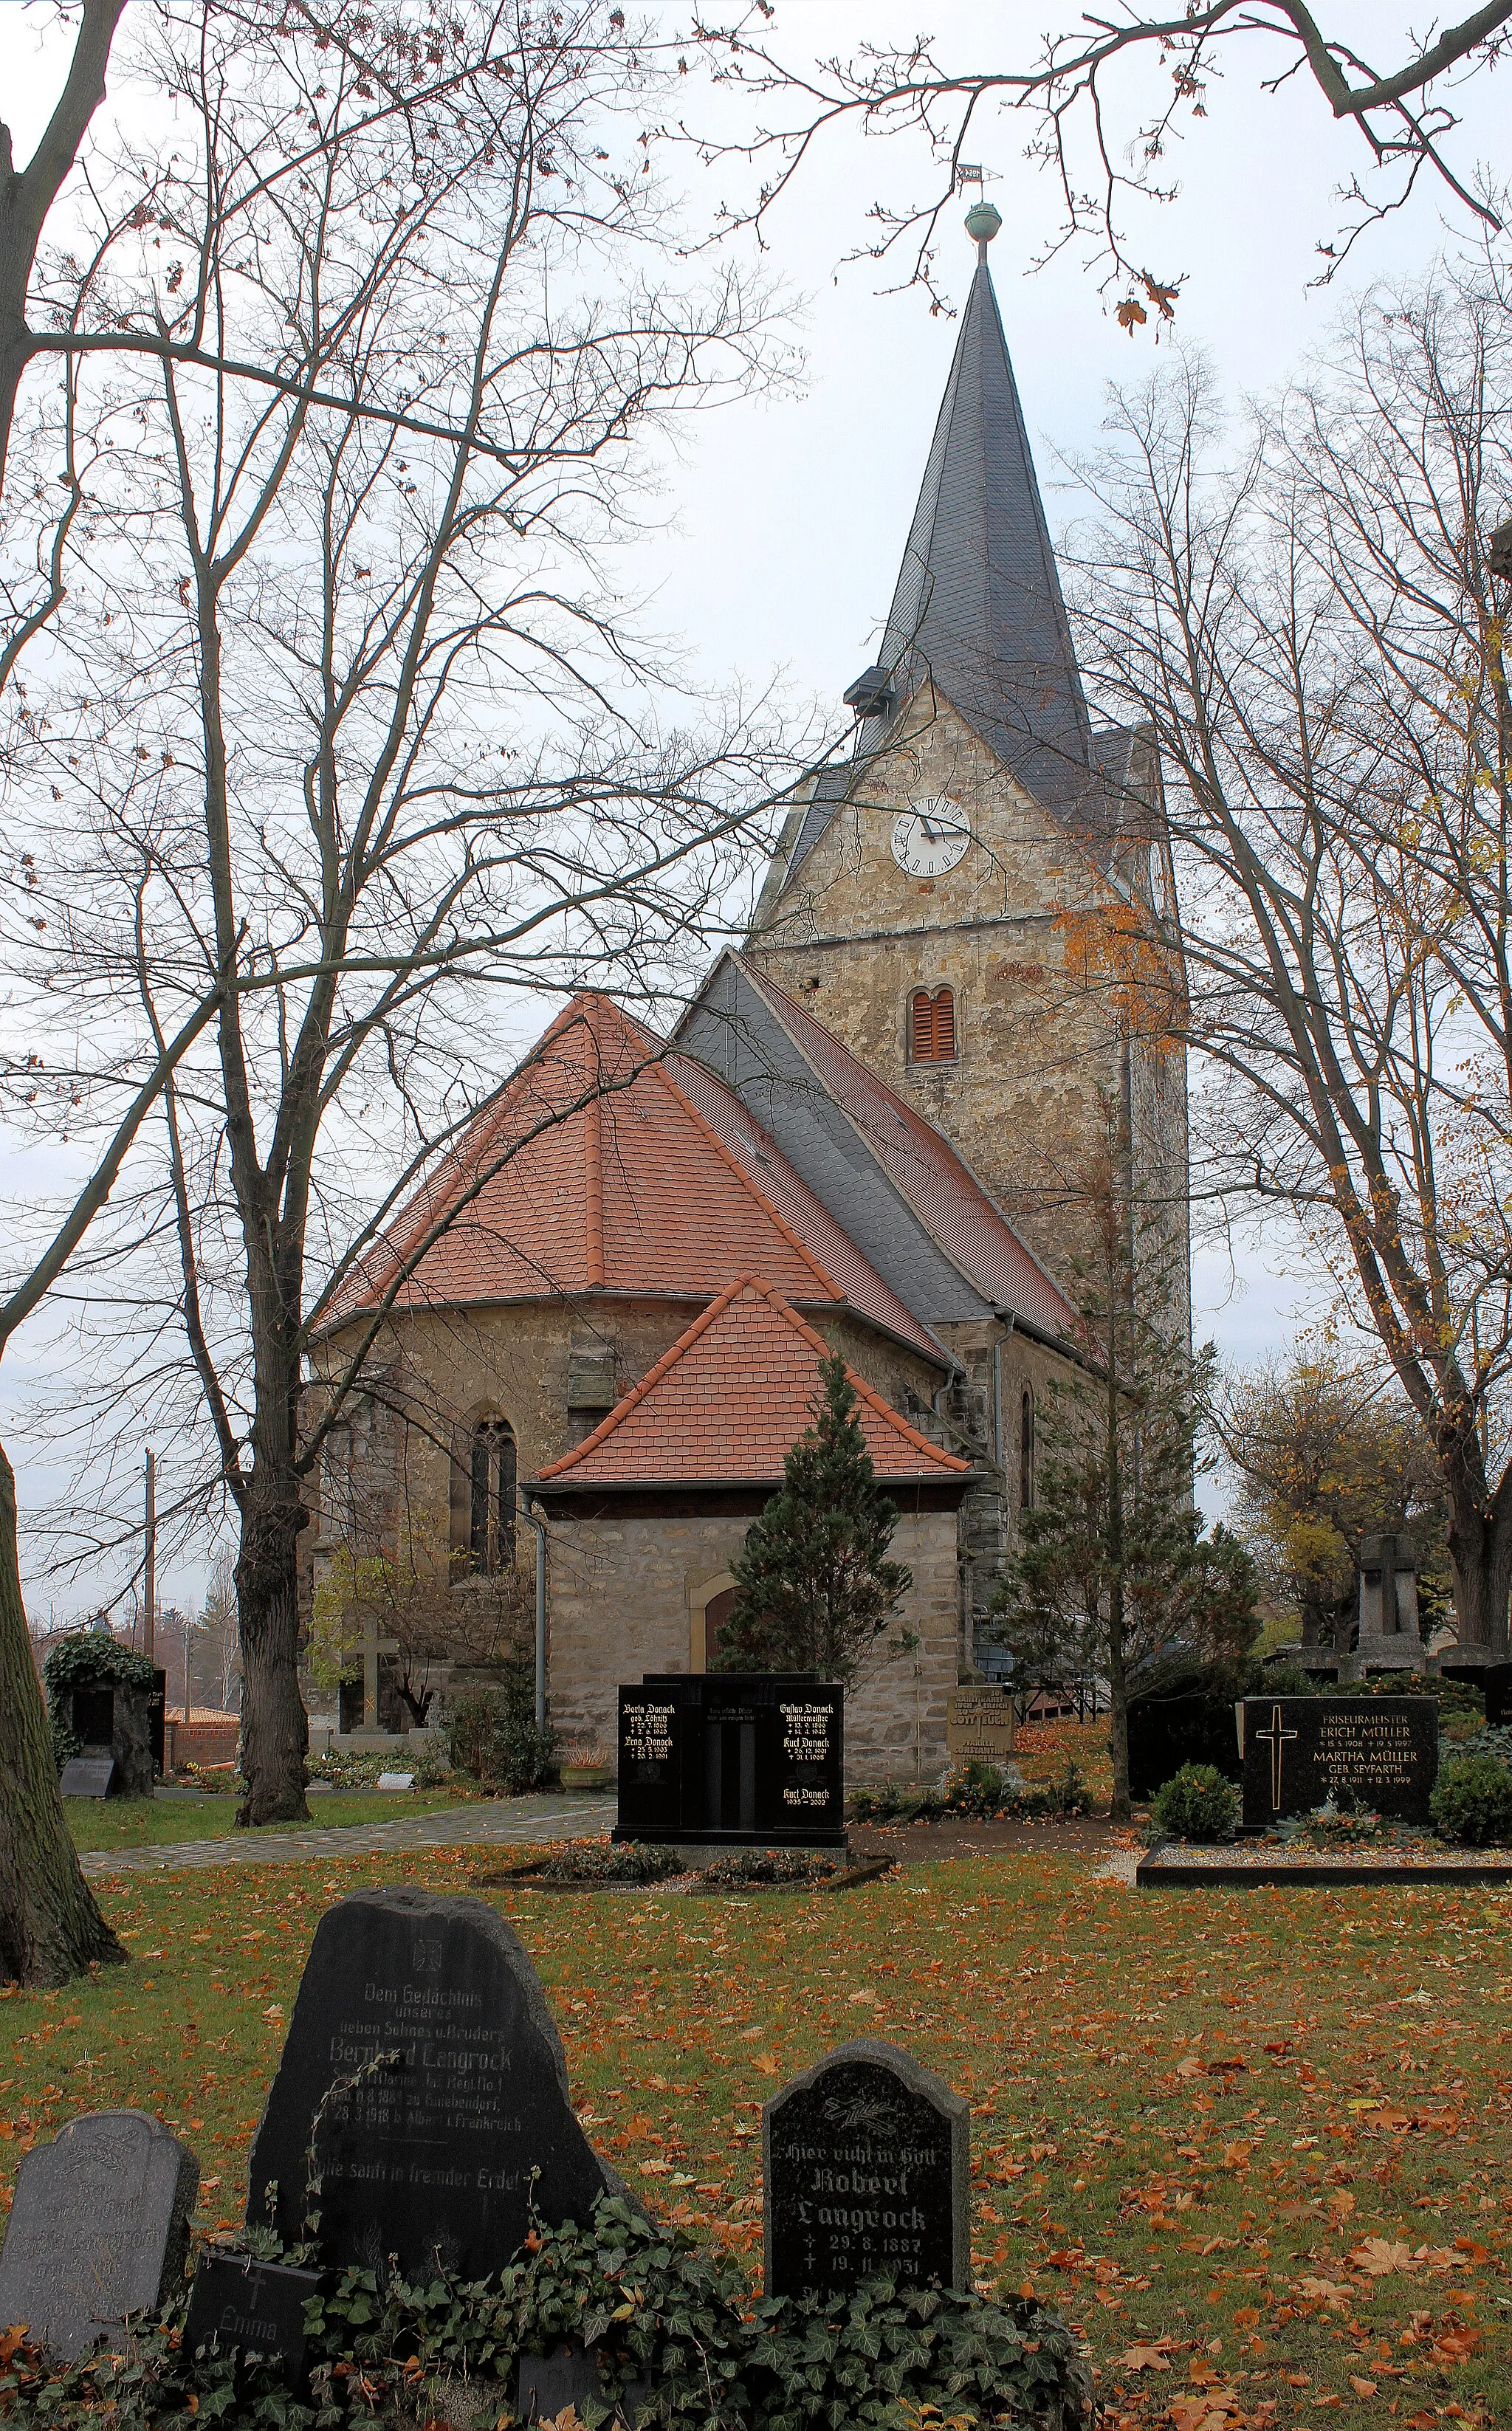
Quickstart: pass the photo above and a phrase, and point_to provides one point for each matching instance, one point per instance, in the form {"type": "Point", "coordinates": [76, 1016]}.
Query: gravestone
{"type": "Point", "coordinates": [1380, 1753]}
{"type": "Point", "coordinates": [98, 2229]}
{"type": "Point", "coordinates": [544, 2385]}
{"type": "Point", "coordinates": [420, 2101]}
{"type": "Point", "coordinates": [1388, 1639]}
{"type": "Point", "coordinates": [258, 2307]}
{"type": "Point", "coordinates": [116, 1720]}
{"type": "Point", "coordinates": [866, 2160]}
{"type": "Point", "coordinates": [746, 1759]}
{"type": "Point", "coordinates": [979, 1727]}
{"type": "Point", "coordinates": [87, 1776]}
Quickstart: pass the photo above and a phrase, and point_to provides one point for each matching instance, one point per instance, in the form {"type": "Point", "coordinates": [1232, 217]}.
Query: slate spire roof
{"type": "Point", "coordinates": [978, 605]}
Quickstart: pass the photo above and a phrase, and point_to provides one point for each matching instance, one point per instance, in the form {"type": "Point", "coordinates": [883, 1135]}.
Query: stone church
{"type": "Point", "coordinates": [871, 1131]}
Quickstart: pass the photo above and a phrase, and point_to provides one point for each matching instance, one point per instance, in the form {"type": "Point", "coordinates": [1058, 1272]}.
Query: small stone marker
{"type": "Point", "coordinates": [1298, 1751]}
{"type": "Point", "coordinates": [98, 2229]}
{"type": "Point", "coordinates": [424, 2068]}
{"type": "Point", "coordinates": [979, 1726]}
{"type": "Point", "coordinates": [395, 1781]}
{"type": "Point", "coordinates": [87, 1776]}
{"type": "Point", "coordinates": [866, 2161]}
{"type": "Point", "coordinates": [258, 2307]}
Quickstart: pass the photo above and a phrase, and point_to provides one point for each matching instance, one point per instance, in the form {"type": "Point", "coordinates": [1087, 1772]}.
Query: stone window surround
{"type": "Point", "coordinates": [917, 1065]}
{"type": "Point", "coordinates": [700, 1597]}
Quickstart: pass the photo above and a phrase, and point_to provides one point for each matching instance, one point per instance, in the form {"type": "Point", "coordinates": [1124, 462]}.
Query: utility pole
{"type": "Point", "coordinates": [149, 1582]}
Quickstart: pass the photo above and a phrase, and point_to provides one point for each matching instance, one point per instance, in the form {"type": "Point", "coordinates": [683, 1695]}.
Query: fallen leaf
{"type": "Point", "coordinates": [1141, 2358]}
{"type": "Point", "coordinates": [1323, 2292]}
{"type": "Point", "coordinates": [1362, 2388]}
{"type": "Point", "coordinates": [1378, 2256]}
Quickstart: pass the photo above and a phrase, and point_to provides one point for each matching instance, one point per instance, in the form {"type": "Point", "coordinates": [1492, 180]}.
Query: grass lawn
{"type": "Point", "coordinates": [1259, 2145]}
{"type": "Point", "coordinates": [157, 1823]}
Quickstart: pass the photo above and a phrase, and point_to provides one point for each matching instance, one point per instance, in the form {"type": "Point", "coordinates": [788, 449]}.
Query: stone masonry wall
{"type": "Point", "coordinates": [852, 935]}
{"type": "Point", "coordinates": [623, 1594]}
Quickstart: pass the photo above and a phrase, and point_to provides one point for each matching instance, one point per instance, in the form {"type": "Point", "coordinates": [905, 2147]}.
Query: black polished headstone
{"type": "Point", "coordinates": [87, 1776]}
{"type": "Point", "coordinates": [867, 2167]}
{"type": "Point", "coordinates": [545, 2385]}
{"type": "Point", "coordinates": [748, 1758]}
{"type": "Point", "coordinates": [1380, 1753]}
{"type": "Point", "coordinates": [98, 2229]}
{"type": "Point", "coordinates": [256, 2308]}
{"type": "Point", "coordinates": [651, 1763]}
{"type": "Point", "coordinates": [421, 2103]}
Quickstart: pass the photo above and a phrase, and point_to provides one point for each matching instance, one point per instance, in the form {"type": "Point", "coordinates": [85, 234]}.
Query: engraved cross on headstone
{"type": "Point", "coordinates": [1274, 1736]}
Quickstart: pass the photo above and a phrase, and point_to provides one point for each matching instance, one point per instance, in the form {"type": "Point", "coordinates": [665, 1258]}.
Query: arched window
{"type": "Point", "coordinates": [490, 1503]}
{"type": "Point", "coordinates": [1026, 1451]}
{"type": "Point", "coordinates": [931, 1026]}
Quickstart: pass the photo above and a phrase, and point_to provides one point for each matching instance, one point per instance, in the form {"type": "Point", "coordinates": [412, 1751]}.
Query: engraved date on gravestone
{"type": "Point", "coordinates": [806, 1743]}
{"type": "Point", "coordinates": [646, 1732]}
{"type": "Point", "coordinates": [867, 2168]}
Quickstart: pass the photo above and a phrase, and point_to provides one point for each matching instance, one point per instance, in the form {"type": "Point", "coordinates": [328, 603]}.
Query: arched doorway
{"type": "Point", "coordinates": [708, 1608]}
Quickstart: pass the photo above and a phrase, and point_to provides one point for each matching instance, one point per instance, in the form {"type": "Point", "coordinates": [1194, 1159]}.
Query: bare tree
{"type": "Point", "coordinates": [1308, 619]}
{"type": "Point", "coordinates": [343, 699]}
{"type": "Point", "coordinates": [1083, 97]}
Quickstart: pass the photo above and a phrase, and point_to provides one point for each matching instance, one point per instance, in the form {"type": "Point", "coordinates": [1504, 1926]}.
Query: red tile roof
{"type": "Point", "coordinates": [943, 1191]}
{"type": "Point", "coordinates": [610, 1164]}
{"type": "Point", "coordinates": [728, 1401]}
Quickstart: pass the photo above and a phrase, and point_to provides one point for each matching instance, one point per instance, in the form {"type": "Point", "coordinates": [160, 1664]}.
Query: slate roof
{"type": "Point", "coordinates": [612, 1165]}
{"type": "Point", "coordinates": [978, 606]}
{"type": "Point", "coordinates": [978, 612]}
{"type": "Point", "coordinates": [938, 1185]}
{"type": "Point", "coordinates": [726, 1402]}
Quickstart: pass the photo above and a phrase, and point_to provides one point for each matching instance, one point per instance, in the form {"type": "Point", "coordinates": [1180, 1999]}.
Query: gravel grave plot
{"type": "Point", "coordinates": [1405, 1858]}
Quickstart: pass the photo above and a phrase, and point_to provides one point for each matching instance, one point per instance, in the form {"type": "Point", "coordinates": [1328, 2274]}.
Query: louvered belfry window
{"type": "Point", "coordinates": [931, 1026]}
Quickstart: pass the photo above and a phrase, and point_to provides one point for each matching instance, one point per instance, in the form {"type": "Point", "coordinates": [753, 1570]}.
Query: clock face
{"type": "Point", "coordinates": [930, 838]}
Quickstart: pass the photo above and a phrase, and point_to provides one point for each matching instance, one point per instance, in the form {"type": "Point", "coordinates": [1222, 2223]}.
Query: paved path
{"type": "Point", "coordinates": [481, 1824]}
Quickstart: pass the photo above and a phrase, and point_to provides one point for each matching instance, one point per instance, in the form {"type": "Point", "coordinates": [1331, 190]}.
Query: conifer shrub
{"type": "Point", "coordinates": [813, 1586]}
{"type": "Point", "coordinates": [1472, 1802]}
{"type": "Point", "coordinates": [1197, 1803]}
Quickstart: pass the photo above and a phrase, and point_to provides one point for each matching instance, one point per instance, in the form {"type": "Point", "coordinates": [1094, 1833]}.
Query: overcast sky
{"type": "Point", "coordinates": [786, 519]}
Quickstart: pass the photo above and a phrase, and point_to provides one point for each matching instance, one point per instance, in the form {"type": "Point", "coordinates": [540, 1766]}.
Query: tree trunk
{"type": "Point", "coordinates": [275, 1730]}
{"type": "Point", "coordinates": [1480, 1553]}
{"type": "Point", "coordinates": [50, 1928]}
{"type": "Point", "coordinates": [1117, 1681]}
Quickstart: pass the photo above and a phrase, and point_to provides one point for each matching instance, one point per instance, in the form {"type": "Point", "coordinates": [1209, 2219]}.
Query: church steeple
{"type": "Point", "coordinates": [978, 605]}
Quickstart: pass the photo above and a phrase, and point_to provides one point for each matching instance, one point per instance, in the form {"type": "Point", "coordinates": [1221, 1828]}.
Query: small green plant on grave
{"type": "Point", "coordinates": [974, 1787]}
{"type": "Point", "coordinates": [756, 1865]}
{"type": "Point", "coordinates": [602, 1861]}
{"type": "Point", "coordinates": [1197, 1803]}
{"type": "Point", "coordinates": [1338, 1823]}
{"type": "Point", "coordinates": [1472, 1802]}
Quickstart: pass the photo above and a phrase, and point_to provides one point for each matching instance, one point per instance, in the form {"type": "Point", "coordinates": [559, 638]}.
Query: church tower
{"type": "Point", "coordinates": [968, 900]}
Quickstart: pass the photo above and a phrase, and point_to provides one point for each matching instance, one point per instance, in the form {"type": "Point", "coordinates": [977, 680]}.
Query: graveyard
{"type": "Point", "coordinates": [1254, 2144]}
